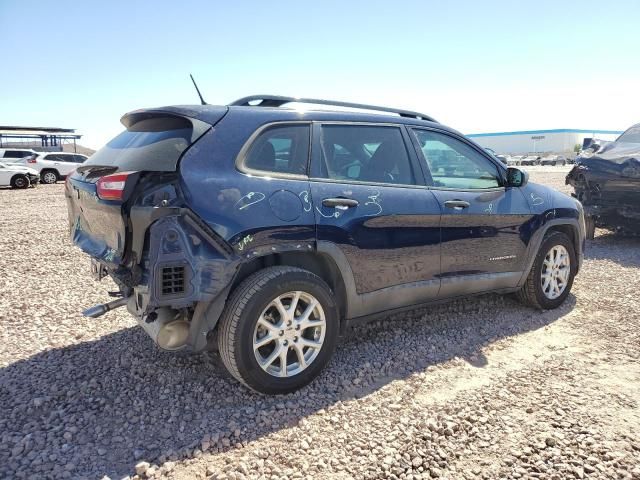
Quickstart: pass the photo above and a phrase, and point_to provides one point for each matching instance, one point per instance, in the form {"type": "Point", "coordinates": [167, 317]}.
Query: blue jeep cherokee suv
{"type": "Point", "coordinates": [265, 230]}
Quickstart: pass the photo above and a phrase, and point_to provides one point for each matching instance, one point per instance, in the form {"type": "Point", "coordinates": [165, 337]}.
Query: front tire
{"type": "Point", "coordinates": [20, 181]}
{"type": "Point", "coordinates": [278, 330]}
{"type": "Point", "coordinates": [551, 276]}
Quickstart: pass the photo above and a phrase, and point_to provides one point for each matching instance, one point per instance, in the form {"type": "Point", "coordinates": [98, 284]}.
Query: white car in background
{"type": "Point", "coordinates": [53, 166]}
{"type": "Point", "coordinates": [18, 176]}
{"type": "Point", "coordinates": [9, 155]}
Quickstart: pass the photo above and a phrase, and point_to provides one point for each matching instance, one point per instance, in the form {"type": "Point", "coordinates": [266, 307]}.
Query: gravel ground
{"type": "Point", "coordinates": [480, 388]}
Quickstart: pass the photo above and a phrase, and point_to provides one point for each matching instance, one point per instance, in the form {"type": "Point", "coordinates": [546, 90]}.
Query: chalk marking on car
{"type": "Point", "coordinates": [244, 242]}
{"type": "Point", "coordinates": [489, 209]}
{"type": "Point", "coordinates": [304, 196]}
{"type": "Point", "coordinates": [335, 214]}
{"type": "Point", "coordinates": [536, 200]}
{"type": "Point", "coordinates": [374, 201]}
{"type": "Point", "coordinates": [249, 196]}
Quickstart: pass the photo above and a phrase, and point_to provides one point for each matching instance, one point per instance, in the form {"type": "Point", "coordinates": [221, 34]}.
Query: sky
{"type": "Point", "coordinates": [475, 66]}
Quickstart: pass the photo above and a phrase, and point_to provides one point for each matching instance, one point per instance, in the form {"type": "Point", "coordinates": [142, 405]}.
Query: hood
{"type": "Point", "coordinates": [618, 158]}
{"type": "Point", "coordinates": [16, 167]}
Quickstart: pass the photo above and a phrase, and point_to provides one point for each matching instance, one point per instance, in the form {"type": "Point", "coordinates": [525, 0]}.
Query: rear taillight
{"type": "Point", "coordinates": [31, 160]}
{"type": "Point", "coordinates": [111, 187]}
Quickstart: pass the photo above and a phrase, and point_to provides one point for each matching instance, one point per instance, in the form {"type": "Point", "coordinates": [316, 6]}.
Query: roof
{"type": "Point", "coordinates": [537, 132]}
{"type": "Point", "coordinates": [278, 101]}
{"type": "Point", "coordinates": [213, 113]}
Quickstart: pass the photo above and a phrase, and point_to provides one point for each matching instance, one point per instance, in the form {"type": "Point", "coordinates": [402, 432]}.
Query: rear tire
{"type": "Point", "coordinates": [538, 294]}
{"type": "Point", "coordinates": [261, 330]}
{"type": "Point", "coordinates": [20, 181]}
{"type": "Point", "coordinates": [49, 177]}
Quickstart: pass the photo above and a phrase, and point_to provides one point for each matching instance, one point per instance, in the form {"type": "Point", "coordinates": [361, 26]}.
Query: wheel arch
{"type": "Point", "coordinates": [568, 226]}
{"type": "Point", "coordinates": [50, 169]}
{"type": "Point", "coordinates": [317, 262]}
{"type": "Point", "coordinates": [569, 230]}
{"type": "Point", "coordinates": [16, 175]}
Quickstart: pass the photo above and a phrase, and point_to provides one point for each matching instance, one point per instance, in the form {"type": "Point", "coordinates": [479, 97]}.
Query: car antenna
{"type": "Point", "coordinates": [198, 90]}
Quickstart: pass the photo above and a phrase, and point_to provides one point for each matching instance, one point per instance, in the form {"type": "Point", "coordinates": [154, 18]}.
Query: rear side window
{"type": "Point", "coordinates": [16, 154]}
{"type": "Point", "coordinates": [454, 164]}
{"type": "Point", "coordinates": [280, 149]}
{"type": "Point", "coordinates": [150, 144]}
{"type": "Point", "coordinates": [365, 154]}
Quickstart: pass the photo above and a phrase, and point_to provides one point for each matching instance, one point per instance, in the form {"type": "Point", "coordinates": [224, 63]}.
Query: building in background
{"type": "Point", "coordinates": [39, 138]}
{"type": "Point", "coordinates": [560, 141]}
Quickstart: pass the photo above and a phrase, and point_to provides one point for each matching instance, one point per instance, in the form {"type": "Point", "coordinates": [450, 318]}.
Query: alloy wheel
{"type": "Point", "coordinates": [49, 178]}
{"type": "Point", "coordinates": [556, 269]}
{"type": "Point", "coordinates": [289, 334]}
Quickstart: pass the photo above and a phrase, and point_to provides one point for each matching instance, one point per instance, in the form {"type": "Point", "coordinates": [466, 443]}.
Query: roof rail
{"type": "Point", "coordinates": [277, 101]}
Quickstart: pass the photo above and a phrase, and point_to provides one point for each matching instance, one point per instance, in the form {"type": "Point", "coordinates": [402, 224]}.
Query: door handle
{"type": "Point", "coordinates": [340, 203]}
{"type": "Point", "coordinates": [457, 204]}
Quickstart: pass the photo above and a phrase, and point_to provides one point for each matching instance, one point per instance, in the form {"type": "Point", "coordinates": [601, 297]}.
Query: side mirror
{"type": "Point", "coordinates": [516, 177]}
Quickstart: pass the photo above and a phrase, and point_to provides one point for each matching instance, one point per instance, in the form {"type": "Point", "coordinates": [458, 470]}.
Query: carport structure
{"type": "Point", "coordinates": [38, 138]}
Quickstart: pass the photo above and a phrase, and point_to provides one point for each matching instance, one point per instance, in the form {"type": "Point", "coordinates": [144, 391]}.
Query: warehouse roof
{"type": "Point", "coordinates": [48, 130]}
{"type": "Point", "coordinates": [538, 132]}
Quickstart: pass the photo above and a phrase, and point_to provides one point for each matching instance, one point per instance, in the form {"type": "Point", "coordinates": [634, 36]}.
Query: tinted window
{"type": "Point", "coordinates": [454, 164]}
{"type": "Point", "coordinates": [152, 144]}
{"type": "Point", "coordinates": [631, 136]}
{"type": "Point", "coordinates": [280, 149]}
{"type": "Point", "coordinates": [79, 158]}
{"type": "Point", "coordinates": [365, 154]}
{"type": "Point", "coordinates": [16, 154]}
{"type": "Point", "coordinates": [52, 157]}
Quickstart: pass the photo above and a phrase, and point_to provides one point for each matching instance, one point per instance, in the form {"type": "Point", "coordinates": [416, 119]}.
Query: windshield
{"type": "Point", "coordinates": [630, 136]}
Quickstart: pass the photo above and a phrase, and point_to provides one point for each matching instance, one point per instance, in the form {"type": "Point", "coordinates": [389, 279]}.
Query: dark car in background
{"type": "Point", "coordinates": [553, 160]}
{"type": "Point", "coordinates": [606, 179]}
{"type": "Point", "coordinates": [265, 231]}
{"type": "Point", "coordinates": [530, 160]}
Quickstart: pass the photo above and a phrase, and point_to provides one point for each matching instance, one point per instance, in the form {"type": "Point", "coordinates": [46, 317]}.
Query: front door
{"type": "Point", "coordinates": [371, 204]}
{"type": "Point", "coordinates": [483, 223]}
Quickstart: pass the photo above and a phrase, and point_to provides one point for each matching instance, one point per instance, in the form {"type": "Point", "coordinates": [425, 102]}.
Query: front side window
{"type": "Point", "coordinates": [280, 149]}
{"type": "Point", "coordinates": [365, 154]}
{"type": "Point", "coordinates": [454, 164]}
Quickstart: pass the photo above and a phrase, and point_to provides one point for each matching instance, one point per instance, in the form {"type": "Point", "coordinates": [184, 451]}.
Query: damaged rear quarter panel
{"type": "Point", "coordinates": [173, 241]}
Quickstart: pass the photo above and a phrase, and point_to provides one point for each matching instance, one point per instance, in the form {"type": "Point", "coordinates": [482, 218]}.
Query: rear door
{"type": "Point", "coordinates": [371, 205]}
{"type": "Point", "coordinates": [483, 223]}
{"type": "Point", "coordinates": [152, 143]}
{"type": "Point", "coordinates": [66, 164]}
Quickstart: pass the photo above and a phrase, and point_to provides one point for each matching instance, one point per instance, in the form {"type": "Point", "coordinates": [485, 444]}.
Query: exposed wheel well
{"type": "Point", "coordinates": [317, 263]}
